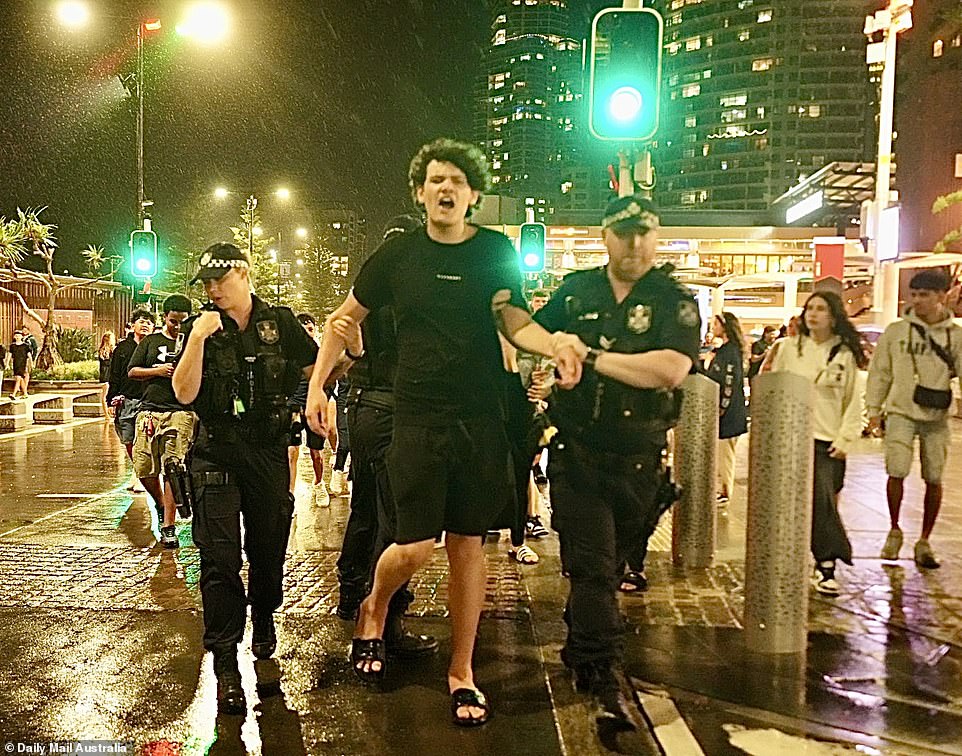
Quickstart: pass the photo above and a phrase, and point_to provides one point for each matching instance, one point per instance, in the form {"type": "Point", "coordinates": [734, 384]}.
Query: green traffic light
{"type": "Point", "coordinates": [625, 79]}
{"type": "Point", "coordinates": [532, 247]}
{"type": "Point", "coordinates": [143, 253]}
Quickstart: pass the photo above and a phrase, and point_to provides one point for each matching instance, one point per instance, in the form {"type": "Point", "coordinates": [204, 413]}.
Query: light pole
{"type": "Point", "coordinates": [205, 22]}
{"type": "Point", "coordinates": [895, 18]}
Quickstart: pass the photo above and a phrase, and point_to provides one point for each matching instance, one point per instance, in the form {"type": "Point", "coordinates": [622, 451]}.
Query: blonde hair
{"type": "Point", "coordinates": [107, 343]}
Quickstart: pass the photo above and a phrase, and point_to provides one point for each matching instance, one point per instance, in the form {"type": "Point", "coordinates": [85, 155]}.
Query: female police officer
{"type": "Point", "coordinates": [240, 362]}
{"type": "Point", "coordinates": [642, 330]}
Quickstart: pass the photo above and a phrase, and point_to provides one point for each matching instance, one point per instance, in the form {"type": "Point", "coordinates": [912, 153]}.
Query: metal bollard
{"type": "Point", "coordinates": [779, 522]}
{"type": "Point", "coordinates": [696, 437]}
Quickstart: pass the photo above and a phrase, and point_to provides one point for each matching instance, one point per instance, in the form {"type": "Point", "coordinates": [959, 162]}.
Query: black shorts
{"type": "Point", "coordinates": [298, 432]}
{"type": "Point", "coordinates": [455, 478]}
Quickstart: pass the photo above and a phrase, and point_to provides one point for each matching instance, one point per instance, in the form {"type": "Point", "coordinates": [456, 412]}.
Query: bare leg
{"type": "Point", "coordinates": [395, 567]}
{"type": "Point", "coordinates": [293, 452]}
{"type": "Point", "coordinates": [465, 599]}
{"type": "Point", "coordinates": [317, 462]}
{"type": "Point", "coordinates": [534, 497]}
{"type": "Point", "coordinates": [893, 492]}
{"type": "Point", "coordinates": [103, 401]}
{"type": "Point", "coordinates": [163, 497]}
{"type": "Point", "coordinates": [931, 505]}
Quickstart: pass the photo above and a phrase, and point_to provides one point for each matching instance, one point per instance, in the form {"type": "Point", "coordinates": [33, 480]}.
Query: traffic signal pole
{"type": "Point", "coordinates": [627, 172]}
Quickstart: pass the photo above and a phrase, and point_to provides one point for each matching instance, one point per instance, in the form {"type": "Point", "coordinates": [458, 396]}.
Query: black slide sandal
{"type": "Point", "coordinates": [368, 650]}
{"type": "Point", "coordinates": [464, 697]}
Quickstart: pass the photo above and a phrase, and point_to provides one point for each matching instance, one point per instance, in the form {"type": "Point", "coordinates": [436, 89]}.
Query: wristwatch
{"type": "Point", "coordinates": [592, 357]}
{"type": "Point", "coordinates": [354, 357]}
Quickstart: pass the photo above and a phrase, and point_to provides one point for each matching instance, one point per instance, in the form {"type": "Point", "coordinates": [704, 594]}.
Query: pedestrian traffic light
{"type": "Point", "coordinates": [625, 79]}
{"type": "Point", "coordinates": [532, 247]}
{"type": "Point", "coordinates": [143, 253]}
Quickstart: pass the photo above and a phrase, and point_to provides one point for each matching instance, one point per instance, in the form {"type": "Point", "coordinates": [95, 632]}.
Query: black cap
{"type": "Point", "coordinates": [217, 259]}
{"type": "Point", "coordinates": [401, 224]}
{"type": "Point", "coordinates": [932, 279]}
{"type": "Point", "coordinates": [632, 213]}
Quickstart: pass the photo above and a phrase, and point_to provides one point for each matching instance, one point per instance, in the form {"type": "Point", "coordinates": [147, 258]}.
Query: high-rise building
{"type": "Point", "coordinates": [928, 118]}
{"type": "Point", "coordinates": [758, 94]}
{"type": "Point", "coordinates": [530, 101]}
{"type": "Point", "coordinates": [341, 230]}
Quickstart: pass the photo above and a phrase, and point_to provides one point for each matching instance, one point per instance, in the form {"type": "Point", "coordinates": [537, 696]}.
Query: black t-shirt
{"type": "Point", "coordinates": [449, 357]}
{"type": "Point", "coordinates": [758, 349]}
{"type": "Point", "coordinates": [20, 353]}
{"type": "Point", "coordinates": [120, 383]}
{"type": "Point", "coordinates": [156, 350]}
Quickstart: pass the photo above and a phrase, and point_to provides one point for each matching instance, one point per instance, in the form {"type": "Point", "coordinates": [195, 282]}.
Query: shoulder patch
{"type": "Point", "coordinates": [687, 314]}
{"type": "Point", "coordinates": [268, 332]}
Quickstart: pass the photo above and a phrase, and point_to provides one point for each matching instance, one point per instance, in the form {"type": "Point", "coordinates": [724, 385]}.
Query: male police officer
{"type": "Point", "coordinates": [642, 329]}
{"type": "Point", "coordinates": [241, 361]}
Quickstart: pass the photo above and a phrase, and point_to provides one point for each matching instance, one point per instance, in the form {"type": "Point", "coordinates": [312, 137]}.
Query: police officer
{"type": "Point", "coordinates": [641, 328]}
{"type": "Point", "coordinates": [239, 363]}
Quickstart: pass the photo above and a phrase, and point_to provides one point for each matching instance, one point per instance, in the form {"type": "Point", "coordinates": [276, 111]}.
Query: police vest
{"type": "Point", "coordinates": [601, 411]}
{"type": "Point", "coordinates": [247, 379]}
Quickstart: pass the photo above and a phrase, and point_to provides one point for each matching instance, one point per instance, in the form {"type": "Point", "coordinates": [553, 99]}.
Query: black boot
{"type": "Point", "coordinates": [230, 692]}
{"type": "Point", "coordinates": [400, 642]}
{"type": "Point", "coordinates": [605, 687]}
{"type": "Point", "coordinates": [263, 639]}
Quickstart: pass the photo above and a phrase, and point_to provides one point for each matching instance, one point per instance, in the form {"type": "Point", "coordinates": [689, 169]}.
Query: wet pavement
{"type": "Point", "coordinates": [101, 631]}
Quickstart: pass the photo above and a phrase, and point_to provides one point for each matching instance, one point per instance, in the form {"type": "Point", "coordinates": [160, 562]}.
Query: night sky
{"type": "Point", "coordinates": [327, 97]}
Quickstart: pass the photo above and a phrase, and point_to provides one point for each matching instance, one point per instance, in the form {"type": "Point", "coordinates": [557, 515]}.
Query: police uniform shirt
{"type": "Point", "coordinates": [153, 351]}
{"type": "Point", "coordinates": [657, 314]}
{"type": "Point", "coordinates": [449, 357]}
{"type": "Point", "coordinates": [269, 328]}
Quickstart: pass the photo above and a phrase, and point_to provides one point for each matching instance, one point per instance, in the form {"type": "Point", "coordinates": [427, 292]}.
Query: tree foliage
{"type": "Point", "coordinates": [940, 205]}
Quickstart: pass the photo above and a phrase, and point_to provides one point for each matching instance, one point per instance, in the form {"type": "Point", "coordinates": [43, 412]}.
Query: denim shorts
{"type": "Point", "coordinates": [125, 420]}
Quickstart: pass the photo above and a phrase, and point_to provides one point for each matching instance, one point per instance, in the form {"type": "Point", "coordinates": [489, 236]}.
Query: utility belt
{"type": "Point", "coordinates": [380, 399]}
{"type": "Point", "coordinates": [619, 439]}
{"type": "Point", "coordinates": [265, 427]}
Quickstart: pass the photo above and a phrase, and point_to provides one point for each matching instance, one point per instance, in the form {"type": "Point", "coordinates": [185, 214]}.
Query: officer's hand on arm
{"type": "Point", "coordinates": [331, 347]}
{"type": "Point", "coordinates": [569, 367]}
{"type": "Point", "coordinates": [348, 329]}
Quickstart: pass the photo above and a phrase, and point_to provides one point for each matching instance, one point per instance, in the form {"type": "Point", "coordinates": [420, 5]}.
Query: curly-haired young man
{"type": "Point", "coordinates": [452, 286]}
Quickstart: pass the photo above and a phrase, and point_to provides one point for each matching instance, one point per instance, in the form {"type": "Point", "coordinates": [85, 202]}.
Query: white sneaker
{"type": "Point", "coordinates": [893, 542]}
{"type": "Point", "coordinates": [338, 486]}
{"type": "Point", "coordinates": [823, 578]}
{"type": "Point", "coordinates": [319, 496]}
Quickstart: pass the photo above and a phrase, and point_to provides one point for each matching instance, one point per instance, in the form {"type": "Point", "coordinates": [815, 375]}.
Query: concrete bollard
{"type": "Point", "coordinates": [696, 437]}
{"type": "Point", "coordinates": [779, 522]}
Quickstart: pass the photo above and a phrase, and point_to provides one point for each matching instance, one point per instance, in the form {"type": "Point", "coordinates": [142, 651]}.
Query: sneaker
{"type": "Point", "coordinates": [893, 542]}
{"type": "Point", "coordinates": [924, 556]}
{"type": "Point", "coordinates": [823, 578]}
{"type": "Point", "coordinates": [721, 499]}
{"type": "Point", "coordinates": [524, 554]}
{"type": "Point", "coordinates": [338, 485]}
{"type": "Point", "coordinates": [320, 497]}
{"type": "Point", "coordinates": [540, 479]}
{"type": "Point", "coordinates": [534, 529]}
{"type": "Point", "coordinates": [168, 537]}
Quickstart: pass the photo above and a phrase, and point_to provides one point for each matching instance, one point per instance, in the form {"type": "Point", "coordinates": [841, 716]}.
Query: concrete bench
{"type": "Point", "coordinates": [88, 405]}
{"type": "Point", "coordinates": [13, 415]}
{"type": "Point", "coordinates": [57, 409]}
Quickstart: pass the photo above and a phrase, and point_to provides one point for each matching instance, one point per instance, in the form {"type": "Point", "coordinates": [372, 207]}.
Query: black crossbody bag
{"type": "Point", "coordinates": [940, 399]}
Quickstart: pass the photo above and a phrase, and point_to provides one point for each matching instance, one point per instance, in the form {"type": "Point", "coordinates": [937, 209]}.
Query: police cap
{"type": "Point", "coordinates": [217, 259]}
{"type": "Point", "coordinates": [632, 214]}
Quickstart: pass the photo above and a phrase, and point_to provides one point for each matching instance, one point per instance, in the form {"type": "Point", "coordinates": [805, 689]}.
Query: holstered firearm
{"type": "Point", "coordinates": [181, 486]}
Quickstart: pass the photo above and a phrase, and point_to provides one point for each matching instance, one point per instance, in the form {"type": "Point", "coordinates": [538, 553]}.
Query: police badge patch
{"type": "Point", "coordinates": [688, 314]}
{"type": "Point", "coordinates": [204, 259]}
{"type": "Point", "coordinates": [268, 332]}
{"type": "Point", "coordinates": [639, 318]}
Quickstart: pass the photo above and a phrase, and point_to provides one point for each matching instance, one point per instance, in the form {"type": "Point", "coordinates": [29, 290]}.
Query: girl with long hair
{"type": "Point", "coordinates": [727, 369]}
{"type": "Point", "coordinates": [104, 352]}
{"type": "Point", "coordinates": [828, 351]}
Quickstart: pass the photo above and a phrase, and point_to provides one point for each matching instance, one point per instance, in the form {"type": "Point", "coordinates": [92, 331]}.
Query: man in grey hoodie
{"type": "Point", "coordinates": [924, 349]}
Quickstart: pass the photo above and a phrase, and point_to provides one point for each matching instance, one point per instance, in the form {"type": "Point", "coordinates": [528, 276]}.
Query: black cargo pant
{"type": "Point", "coordinates": [603, 504]}
{"type": "Point", "coordinates": [371, 526]}
{"type": "Point", "coordinates": [239, 475]}
{"type": "Point", "coordinates": [829, 540]}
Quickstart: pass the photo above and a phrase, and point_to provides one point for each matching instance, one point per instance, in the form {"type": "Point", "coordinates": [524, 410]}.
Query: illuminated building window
{"type": "Point", "coordinates": [693, 44]}
{"type": "Point", "coordinates": [673, 48]}
{"type": "Point", "coordinates": [690, 122]}
{"type": "Point", "coordinates": [499, 37]}
{"type": "Point", "coordinates": [692, 90]}
{"type": "Point", "coordinates": [709, 40]}
{"type": "Point", "coordinates": [814, 111]}
{"type": "Point", "coordinates": [733, 100]}
{"type": "Point", "coordinates": [501, 19]}
{"type": "Point", "coordinates": [706, 74]}
{"type": "Point", "coordinates": [744, 35]}
{"type": "Point", "coordinates": [937, 48]}
{"type": "Point", "coordinates": [764, 16]}
{"type": "Point", "coordinates": [762, 64]}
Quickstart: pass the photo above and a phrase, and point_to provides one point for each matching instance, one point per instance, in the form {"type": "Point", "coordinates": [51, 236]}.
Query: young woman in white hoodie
{"type": "Point", "coordinates": [827, 350]}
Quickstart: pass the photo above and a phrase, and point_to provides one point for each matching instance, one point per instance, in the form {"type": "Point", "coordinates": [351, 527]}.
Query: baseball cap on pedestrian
{"type": "Point", "coordinates": [931, 279]}
{"type": "Point", "coordinates": [632, 214]}
{"type": "Point", "coordinates": [219, 258]}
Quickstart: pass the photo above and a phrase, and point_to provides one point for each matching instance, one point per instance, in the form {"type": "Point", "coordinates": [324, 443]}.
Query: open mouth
{"type": "Point", "coordinates": [447, 203]}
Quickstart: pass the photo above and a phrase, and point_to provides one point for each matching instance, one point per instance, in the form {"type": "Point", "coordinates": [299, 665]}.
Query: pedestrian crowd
{"type": "Point", "coordinates": [442, 387]}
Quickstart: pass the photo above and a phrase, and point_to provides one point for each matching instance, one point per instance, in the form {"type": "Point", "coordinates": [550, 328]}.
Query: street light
{"type": "Point", "coordinates": [73, 13]}
{"type": "Point", "coordinates": [207, 23]}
